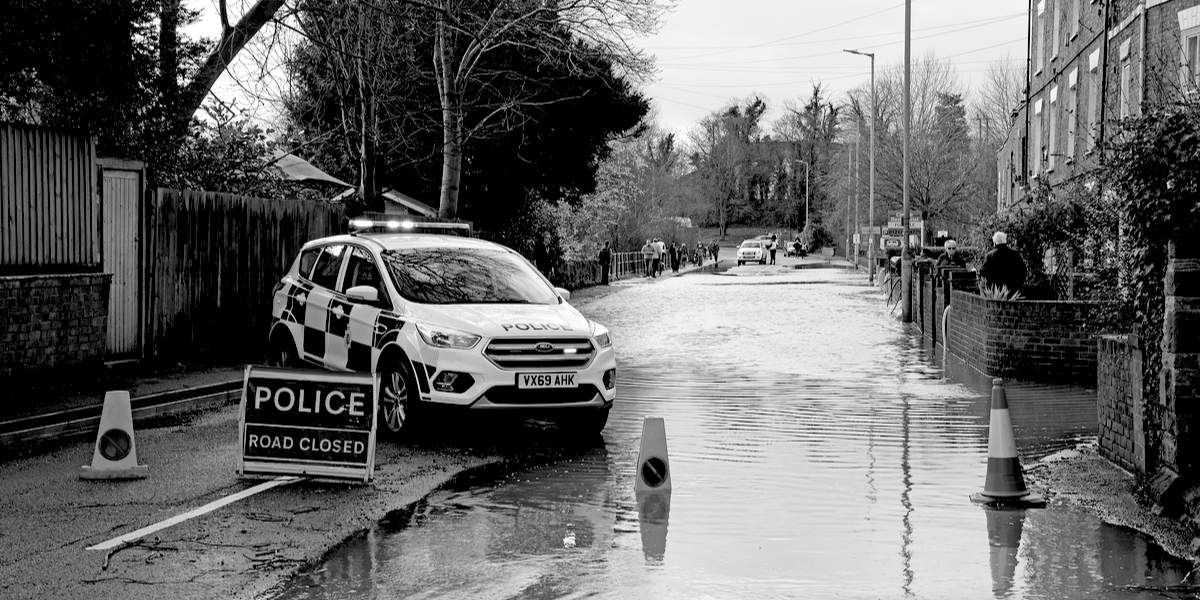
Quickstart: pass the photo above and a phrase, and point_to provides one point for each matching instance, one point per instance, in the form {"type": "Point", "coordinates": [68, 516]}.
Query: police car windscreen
{"type": "Point", "coordinates": [466, 276]}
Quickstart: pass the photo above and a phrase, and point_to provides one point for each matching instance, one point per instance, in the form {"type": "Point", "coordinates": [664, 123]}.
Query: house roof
{"type": "Point", "coordinates": [410, 203]}
{"type": "Point", "coordinates": [294, 168]}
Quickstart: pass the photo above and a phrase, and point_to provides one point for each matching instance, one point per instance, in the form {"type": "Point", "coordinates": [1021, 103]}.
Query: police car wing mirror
{"type": "Point", "coordinates": [363, 293]}
{"type": "Point", "coordinates": [566, 295]}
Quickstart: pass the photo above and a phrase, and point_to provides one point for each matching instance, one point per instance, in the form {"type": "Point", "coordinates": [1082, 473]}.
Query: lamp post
{"type": "Point", "coordinates": [905, 221]}
{"type": "Point", "coordinates": [871, 202]}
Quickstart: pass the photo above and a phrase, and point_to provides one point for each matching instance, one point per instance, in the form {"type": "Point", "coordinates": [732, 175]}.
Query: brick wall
{"type": "Point", "coordinates": [49, 321]}
{"type": "Point", "coordinates": [1029, 340]}
{"type": "Point", "coordinates": [1119, 407]}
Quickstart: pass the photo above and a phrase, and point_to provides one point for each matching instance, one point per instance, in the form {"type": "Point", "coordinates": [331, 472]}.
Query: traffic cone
{"type": "Point", "coordinates": [1004, 483]}
{"type": "Point", "coordinates": [654, 468]}
{"type": "Point", "coordinates": [652, 489]}
{"type": "Point", "coordinates": [115, 453]}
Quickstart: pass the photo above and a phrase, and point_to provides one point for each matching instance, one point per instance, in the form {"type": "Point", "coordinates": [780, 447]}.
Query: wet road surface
{"type": "Point", "coordinates": [816, 451]}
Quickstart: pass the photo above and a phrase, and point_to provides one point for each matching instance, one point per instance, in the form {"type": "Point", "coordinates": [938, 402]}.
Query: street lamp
{"type": "Point", "coordinates": [871, 211]}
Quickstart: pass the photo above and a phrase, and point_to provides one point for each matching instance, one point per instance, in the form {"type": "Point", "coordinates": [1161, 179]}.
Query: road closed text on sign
{"type": "Point", "coordinates": [311, 423]}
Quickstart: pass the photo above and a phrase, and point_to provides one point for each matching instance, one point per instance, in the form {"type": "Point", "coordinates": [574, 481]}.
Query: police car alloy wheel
{"type": "Point", "coordinates": [397, 395]}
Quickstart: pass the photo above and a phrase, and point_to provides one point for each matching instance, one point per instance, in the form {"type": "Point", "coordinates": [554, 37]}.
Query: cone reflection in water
{"type": "Point", "coordinates": [654, 510]}
{"type": "Point", "coordinates": [1004, 543]}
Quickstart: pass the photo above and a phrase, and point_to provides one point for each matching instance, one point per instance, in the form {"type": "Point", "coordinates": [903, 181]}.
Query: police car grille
{"type": "Point", "coordinates": [510, 394]}
{"type": "Point", "coordinates": [522, 353]}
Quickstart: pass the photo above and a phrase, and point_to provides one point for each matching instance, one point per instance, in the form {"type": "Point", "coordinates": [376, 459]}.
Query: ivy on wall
{"type": "Point", "coordinates": [1152, 169]}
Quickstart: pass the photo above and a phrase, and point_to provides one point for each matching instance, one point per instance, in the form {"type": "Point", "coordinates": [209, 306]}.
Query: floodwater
{"type": "Point", "coordinates": [816, 451]}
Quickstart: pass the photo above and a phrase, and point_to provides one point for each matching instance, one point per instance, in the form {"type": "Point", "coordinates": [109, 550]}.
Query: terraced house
{"type": "Point", "coordinates": [1091, 63]}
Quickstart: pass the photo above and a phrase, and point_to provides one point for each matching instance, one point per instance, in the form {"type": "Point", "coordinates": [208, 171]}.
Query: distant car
{"type": "Point", "coordinates": [444, 320]}
{"type": "Point", "coordinates": [752, 251]}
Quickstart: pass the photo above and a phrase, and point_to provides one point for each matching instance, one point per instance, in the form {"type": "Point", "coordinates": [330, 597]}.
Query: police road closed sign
{"type": "Point", "coordinates": [312, 423]}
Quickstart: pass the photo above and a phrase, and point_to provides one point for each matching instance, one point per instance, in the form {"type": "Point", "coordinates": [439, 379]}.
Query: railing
{"type": "Point", "coordinates": [631, 264]}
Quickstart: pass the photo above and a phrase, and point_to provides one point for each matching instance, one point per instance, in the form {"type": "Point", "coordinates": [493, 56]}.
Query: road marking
{"type": "Point", "coordinates": [207, 508]}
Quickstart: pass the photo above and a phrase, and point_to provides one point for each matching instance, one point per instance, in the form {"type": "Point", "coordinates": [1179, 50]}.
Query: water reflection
{"type": "Point", "coordinates": [816, 452]}
{"type": "Point", "coordinates": [1004, 542]}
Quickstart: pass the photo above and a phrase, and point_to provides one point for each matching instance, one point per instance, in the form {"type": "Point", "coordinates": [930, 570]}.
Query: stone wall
{"type": "Point", "coordinates": [1119, 408]}
{"type": "Point", "coordinates": [51, 321]}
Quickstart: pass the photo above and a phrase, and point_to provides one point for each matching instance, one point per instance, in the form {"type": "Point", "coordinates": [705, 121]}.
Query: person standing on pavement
{"type": "Point", "coordinates": [951, 257]}
{"type": "Point", "coordinates": [660, 251]}
{"type": "Point", "coordinates": [771, 245]}
{"type": "Point", "coordinates": [605, 262]}
{"type": "Point", "coordinates": [1003, 266]}
{"type": "Point", "coordinates": [674, 253]}
{"type": "Point", "coordinates": [648, 258]}
{"type": "Point", "coordinates": [713, 249]}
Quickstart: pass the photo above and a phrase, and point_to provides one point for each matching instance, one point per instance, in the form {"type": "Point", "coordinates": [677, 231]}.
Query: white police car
{"type": "Point", "coordinates": [444, 320]}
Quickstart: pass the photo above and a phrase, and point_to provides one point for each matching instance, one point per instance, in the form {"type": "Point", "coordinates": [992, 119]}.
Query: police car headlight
{"type": "Point", "coordinates": [439, 337]}
{"type": "Point", "coordinates": [600, 334]}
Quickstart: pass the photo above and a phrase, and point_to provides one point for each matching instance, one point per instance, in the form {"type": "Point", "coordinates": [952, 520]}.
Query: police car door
{"type": "Point", "coordinates": [319, 317]}
{"type": "Point", "coordinates": [359, 335]}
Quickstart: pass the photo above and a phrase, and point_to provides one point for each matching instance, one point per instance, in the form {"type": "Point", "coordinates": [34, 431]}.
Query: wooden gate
{"type": "Point", "coordinates": [122, 192]}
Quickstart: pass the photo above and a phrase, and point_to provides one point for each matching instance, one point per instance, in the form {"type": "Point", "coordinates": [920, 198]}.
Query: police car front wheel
{"type": "Point", "coordinates": [397, 397]}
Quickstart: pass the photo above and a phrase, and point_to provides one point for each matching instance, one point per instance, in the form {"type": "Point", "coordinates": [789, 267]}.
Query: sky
{"type": "Point", "coordinates": [710, 52]}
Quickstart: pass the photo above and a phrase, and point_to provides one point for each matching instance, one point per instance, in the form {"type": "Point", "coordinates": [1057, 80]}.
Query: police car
{"type": "Point", "coordinates": [445, 320]}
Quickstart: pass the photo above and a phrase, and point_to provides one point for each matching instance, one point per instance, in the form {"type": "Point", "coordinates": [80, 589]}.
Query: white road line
{"type": "Point", "coordinates": [207, 508]}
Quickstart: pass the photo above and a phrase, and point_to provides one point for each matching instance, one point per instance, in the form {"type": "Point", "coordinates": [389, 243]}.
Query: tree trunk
{"type": "Point", "coordinates": [451, 129]}
{"type": "Point", "coordinates": [231, 42]}
{"type": "Point", "coordinates": [366, 127]}
{"type": "Point", "coordinates": [168, 54]}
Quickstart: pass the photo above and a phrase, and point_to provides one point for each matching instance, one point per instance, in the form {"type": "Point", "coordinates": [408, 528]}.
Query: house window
{"type": "Point", "coordinates": [1051, 147]}
{"type": "Point", "coordinates": [1076, 14]}
{"type": "Point", "coordinates": [1072, 110]}
{"type": "Point", "coordinates": [1056, 27]}
{"type": "Point", "coordinates": [1126, 84]}
{"type": "Point", "coordinates": [1037, 137]}
{"type": "Point", "coordinates": [1093, 112]}
{"type": "Point", "coordinates": [1037, 37]}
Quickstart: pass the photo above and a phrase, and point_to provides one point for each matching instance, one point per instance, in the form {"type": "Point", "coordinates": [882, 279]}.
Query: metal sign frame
{"type": "Point", "coordinates": [258, 465]}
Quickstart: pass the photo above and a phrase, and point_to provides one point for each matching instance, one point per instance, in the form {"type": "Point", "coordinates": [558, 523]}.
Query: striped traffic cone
{"type": "Point", "coordinates": [1004, 484]}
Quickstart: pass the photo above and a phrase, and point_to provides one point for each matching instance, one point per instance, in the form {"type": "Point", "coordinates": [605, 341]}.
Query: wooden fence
{"type": "Point", "coordinates": [212, 262]}
{"type": "Point", "coordinates": [49, 208]}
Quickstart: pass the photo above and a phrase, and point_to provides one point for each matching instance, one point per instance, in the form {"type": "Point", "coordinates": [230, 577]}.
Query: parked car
{"type": "Point", "coordinates": [445, 320]}
{"type": "Point", "coordinates": [795, 248]}
{"type": "Point", "coordinates": [752, 251]}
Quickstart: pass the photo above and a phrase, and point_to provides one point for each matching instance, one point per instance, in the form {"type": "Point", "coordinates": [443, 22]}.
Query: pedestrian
{"type": "Point", "coordinates": [951, 257]}
{"type": "Point", "coordinates": [1003, 266]}
{"type": "Point", "coordinates": [605, 262]}
{"type": "Point", "coordinates": [796, 248]}
{"type": "Point", "coordinates": [713, 249]}
{"type": "Point", "coordinates": [771, 245]}
{"type": "Point", "coordinates": [700, 252]}
{"type": "Point", "coordinates": [648, 258]}
{"type": "Point", "coordinates": [675, 252]}
{"type": "Point", "coordinates": [660, 253]}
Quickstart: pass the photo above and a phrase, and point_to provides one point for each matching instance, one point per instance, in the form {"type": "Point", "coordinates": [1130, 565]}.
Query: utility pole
{"type": "Point", "coordinates": [857, 168]}
{"type": "Point", "coordinates": [871, 243]}
{"type": "Point", "coordinates": [905, 248]}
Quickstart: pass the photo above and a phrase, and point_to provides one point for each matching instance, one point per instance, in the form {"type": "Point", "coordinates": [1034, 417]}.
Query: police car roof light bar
{"type": "Point", "coordinates": [361, 225]}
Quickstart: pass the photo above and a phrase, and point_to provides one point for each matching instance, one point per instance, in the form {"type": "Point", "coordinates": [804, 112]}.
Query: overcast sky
{"type": "Point", "coordinates": [712, 51]}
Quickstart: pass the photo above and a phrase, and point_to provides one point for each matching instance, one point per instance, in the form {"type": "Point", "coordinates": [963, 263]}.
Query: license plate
{"type": "Point", "coordinates": [535, 381]}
